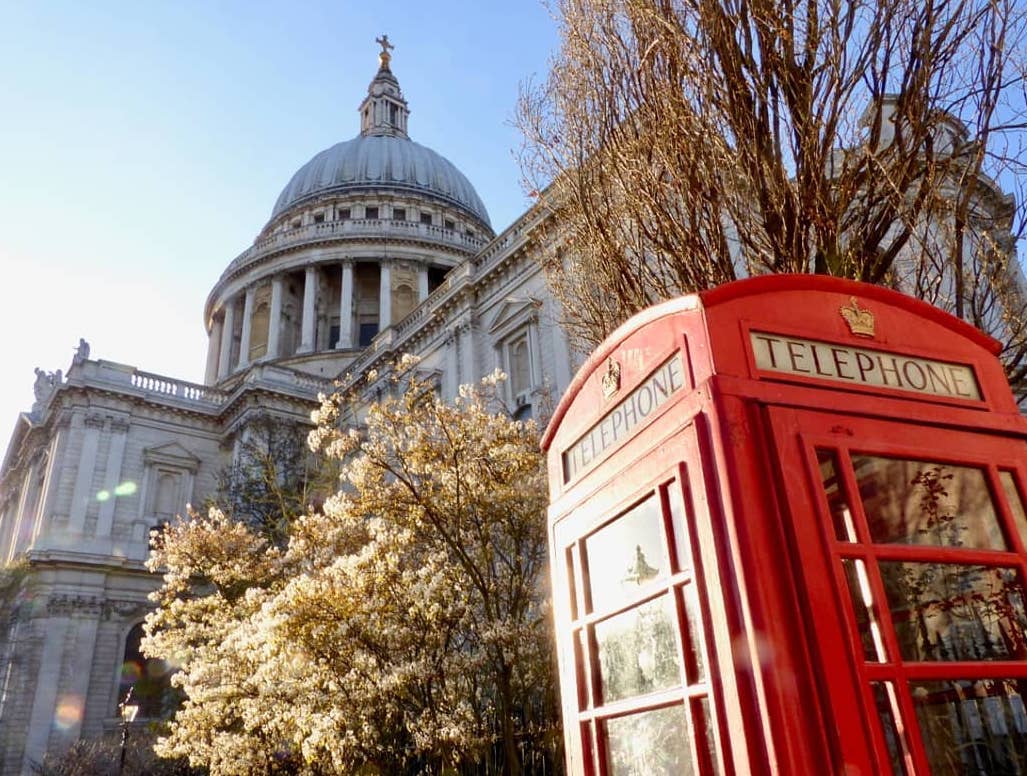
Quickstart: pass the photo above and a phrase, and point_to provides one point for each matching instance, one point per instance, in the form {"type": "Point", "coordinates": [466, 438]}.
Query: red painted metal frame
{"type": "Point", "coordinates": [787, 681]}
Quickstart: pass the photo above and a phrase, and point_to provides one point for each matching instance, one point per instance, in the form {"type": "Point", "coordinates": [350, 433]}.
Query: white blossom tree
{"type": "Point", "coordinates": [403, 628]}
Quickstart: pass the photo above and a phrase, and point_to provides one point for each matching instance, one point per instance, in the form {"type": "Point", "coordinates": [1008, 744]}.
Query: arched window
{"type": "Point", "coordinates": [149, 680]}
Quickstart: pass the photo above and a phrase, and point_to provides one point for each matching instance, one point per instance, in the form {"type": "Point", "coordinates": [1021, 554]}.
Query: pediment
{"type": "Point", "coordinates": [513, 311]}
{"type": "Point", "coordinates": [171, 453]}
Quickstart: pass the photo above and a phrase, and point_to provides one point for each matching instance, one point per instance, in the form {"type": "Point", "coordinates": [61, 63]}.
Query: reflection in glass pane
{"type": "Point", "coordinates": [887, 705]}
{"type": "Point", "coordinates": [702, 719]}
{"type": "Point", "coordinates": [973, 727]}
{"type": "Point", "coordinates": [626, 554]}
{"type": "Point", "coordinates": [653, 743]}
{"type": "Point", "coordinates": [863, 607]}
{"type": "Point", "coordinates": [682, 552]}
{"type": "Point", "coordinates": [572, 582]}
{"type": "Point", "coordinates": [920, 502]}
{"type": "Point", "coordinates": [837, 502]}
{"type": "Point", "coordinates": [1015, 504]}
{"type": "Point", "coordinates": [583, 674]}
{"type": "Point", "coordinates": [949, 611]}
{"type": "Point", "coordinates": [637, 650]}
{"type": "Point", "coordinates": [697, 666]}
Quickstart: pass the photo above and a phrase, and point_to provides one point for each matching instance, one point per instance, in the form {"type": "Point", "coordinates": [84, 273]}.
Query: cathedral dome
{"type": "Point", "coordinates": [385, 160]}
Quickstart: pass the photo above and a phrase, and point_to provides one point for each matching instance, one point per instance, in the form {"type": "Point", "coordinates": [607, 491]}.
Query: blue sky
{"type": "Point", "coordinates": [142, 146]}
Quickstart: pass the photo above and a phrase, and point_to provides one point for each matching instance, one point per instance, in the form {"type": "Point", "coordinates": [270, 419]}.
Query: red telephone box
{"type": "Point", "coordinates": [788, 536]}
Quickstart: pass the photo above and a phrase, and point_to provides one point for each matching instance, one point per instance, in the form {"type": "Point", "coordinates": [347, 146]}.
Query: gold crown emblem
{"type": "Point", "coordinates": [860, 319]}
{"type": "Point", "coordinates": [611, 380]}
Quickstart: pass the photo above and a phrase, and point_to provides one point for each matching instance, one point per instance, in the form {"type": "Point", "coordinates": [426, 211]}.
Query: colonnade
{"type": "Point", "coordinates": [220, 355]}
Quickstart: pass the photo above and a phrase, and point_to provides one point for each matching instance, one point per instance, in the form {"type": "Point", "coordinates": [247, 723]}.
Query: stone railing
{"type": "Point", "coordinates": [372, 228]}
{"type": "Point", "coordinates": [122, 377]}
{"type": "Point", "coordinates": [179, 389]}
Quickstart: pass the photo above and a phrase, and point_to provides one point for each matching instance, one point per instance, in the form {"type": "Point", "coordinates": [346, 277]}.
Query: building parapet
{"type": "Point", "coordinates": [360, 228]}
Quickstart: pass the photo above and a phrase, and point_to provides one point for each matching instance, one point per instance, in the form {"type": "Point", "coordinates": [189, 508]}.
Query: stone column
{"type": "Point", "coordinates": [346, 306]}
{"type": "Point", "coordinates": [213, 351]}
{"type": "Point", "coordinates": [385, 296]}
{"type": "Point", "coordinates": [309, 308]}
{"type": "Point", "coordinates": [274, 319]}
{"type": "Point", "coordinates": [422, 282]}
{"type": "Point", "coordinates": [247, 328]}
{"type": "Point", "coordinates": [227, 334]}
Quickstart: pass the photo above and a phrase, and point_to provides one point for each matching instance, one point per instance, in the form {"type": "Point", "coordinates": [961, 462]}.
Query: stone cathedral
{"type": "Point", "coordinates": [378, 246]}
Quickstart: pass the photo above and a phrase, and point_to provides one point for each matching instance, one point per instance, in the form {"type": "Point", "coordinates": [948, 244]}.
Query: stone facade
{"type": "Point", "coordinates": [376, 248]}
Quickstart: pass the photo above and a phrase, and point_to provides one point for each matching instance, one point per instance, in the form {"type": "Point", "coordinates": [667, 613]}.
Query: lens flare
{"type": "Point", "coordinates": [126, 488]}
{"type": "Point", "coordinates": [69, 711]}
{"type": "Point", "coordinates": [103, 495]}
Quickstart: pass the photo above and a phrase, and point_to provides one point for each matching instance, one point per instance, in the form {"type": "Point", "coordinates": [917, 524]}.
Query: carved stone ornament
{"type": "Point", "coordinates": [611, 380]}
{"type": "Point", "coordinates": [860, 319]}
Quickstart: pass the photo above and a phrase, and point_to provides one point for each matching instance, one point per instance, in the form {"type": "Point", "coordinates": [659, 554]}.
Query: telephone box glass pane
{"type": "Point", "coordinates": [653, 743]}
{"type": "Point", "coordinates": [626, 554]}
{"type": "Point", "coordinates": [863, 607]}
{"type": "Point", "coordinates": [950, 611]}
{"type": "Point", "coordinates": [884, 699]}
{"type": "Point", "coordinates": [1015, 504]}
{"type": "Point", "coordinates": [697, 666]}
{"type": "Point", "coordinates": [922, 502]}
{"type": "Point", "coordinates": [973, 727]}
{"type": "Point", "coordinates": [682, 552]}
{"type": "Point", "coordinates": [637, 652]}
{"type": "Point", "coordinates": [838, 503]}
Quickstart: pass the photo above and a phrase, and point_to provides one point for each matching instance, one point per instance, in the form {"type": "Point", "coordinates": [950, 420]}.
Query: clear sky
{"type": "Point", "coordinates": [142, 146]}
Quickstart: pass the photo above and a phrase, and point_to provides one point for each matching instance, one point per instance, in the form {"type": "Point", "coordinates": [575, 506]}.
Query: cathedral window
{"type": "Point", "coordinates": [367, 332]}
{"type": "Point", "coordinates": [319, 218]}
{"type": "Point", "coordinates": [399, 214]}
{"type": "Point", "coordinates": [520, 365]}
{"type": "Point", "coordinates": [450, 224]}
{"type": "Point", "coordinates": [165, 502]}
{"type": "Point", "coordinates": [343, 213]}
{"type": "Point", "coordinates": [371, 213]}
{"type": "Point", "coordinates": [426, 218]}
{"type": "Point", "coordinates": [149, 680]}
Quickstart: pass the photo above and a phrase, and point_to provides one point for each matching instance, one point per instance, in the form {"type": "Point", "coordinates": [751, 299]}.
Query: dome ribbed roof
{"type": "Point", "coordinates": [381, 161]}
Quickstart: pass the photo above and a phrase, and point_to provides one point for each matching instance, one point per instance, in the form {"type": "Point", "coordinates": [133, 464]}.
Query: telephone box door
{"type": "Point", "coordinates": [910, 540]}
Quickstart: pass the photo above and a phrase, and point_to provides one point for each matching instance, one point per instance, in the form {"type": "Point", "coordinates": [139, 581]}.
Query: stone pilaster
{"type": "Point", "coordinates": [112, 476]}
{"type": "Point", "coordinates": [82, 494]}
{"type": "Point", "coordinates": [51, 486]}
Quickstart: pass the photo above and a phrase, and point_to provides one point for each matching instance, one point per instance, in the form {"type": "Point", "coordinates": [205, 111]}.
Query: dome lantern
{"type": "Point", "coordinates": [384, 111]}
